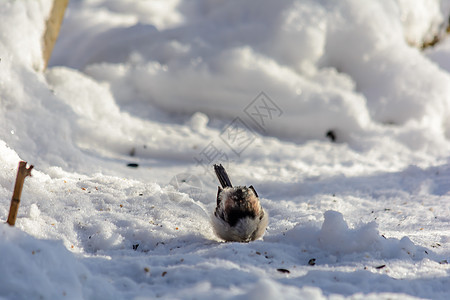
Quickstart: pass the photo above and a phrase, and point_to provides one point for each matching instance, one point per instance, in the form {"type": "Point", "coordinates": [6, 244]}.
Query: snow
{"type": "Point", "coordinates": [141, 98]}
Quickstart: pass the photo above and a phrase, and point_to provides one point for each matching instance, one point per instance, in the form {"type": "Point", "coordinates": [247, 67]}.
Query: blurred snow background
{"type": "Point", "coordinates": [142, 97]}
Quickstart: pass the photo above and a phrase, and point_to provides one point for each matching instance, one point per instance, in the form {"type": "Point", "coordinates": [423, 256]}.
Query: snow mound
{"type": "Point", "coordinates": [337, 239]}
{"type": "Point", "coordinates": [345, 66]}
{"type": "Point", "coordinates": [42, 269]}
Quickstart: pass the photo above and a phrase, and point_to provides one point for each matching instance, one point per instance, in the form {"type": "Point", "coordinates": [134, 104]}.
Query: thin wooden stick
{"type": "Point", "coordinates": [52, 28]}
{"type": "Point", "coordinates": [22, 172]}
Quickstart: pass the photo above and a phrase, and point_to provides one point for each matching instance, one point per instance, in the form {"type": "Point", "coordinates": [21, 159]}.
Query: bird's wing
{"type": "Point", "coordinates": [219, 190]}
{"type": "Point", "coordinates": [253, 189]}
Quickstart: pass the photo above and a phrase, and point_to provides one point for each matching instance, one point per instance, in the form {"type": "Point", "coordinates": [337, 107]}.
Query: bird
{"type": "Point", "coordinates": [239, 216]}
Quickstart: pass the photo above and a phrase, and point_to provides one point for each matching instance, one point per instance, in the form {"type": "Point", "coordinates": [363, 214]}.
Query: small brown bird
{"type": "Point", "coordinates": [239, 216]}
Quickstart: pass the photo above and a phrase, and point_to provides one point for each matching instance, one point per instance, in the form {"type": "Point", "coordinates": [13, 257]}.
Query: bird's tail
{"type": "Point", "coordinates": [222, 176]}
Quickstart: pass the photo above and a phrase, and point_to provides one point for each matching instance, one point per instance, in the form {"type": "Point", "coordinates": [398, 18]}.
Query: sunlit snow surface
{"type": "Point", "coordinates": [141, 98]}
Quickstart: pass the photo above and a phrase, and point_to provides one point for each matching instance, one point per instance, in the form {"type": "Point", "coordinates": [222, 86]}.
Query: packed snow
{"type": "Point", "coordinates": [333, 110]}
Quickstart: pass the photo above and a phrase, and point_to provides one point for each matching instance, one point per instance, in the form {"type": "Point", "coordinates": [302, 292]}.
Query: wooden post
{"type": "Point", "coordinates": [52, 27]}
{"type": "Point", "coordinates": [22, 172]}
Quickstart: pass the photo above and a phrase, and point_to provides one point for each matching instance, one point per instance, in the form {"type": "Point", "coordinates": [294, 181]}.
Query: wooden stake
{"type": "Point", "coordinates": [52, 28]}
{"type": "Point", "coordinates": [22, 172]}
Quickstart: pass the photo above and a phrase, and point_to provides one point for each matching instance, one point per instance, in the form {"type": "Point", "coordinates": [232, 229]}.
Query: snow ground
{"type": "Point", "coordinates": [163, 85]}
